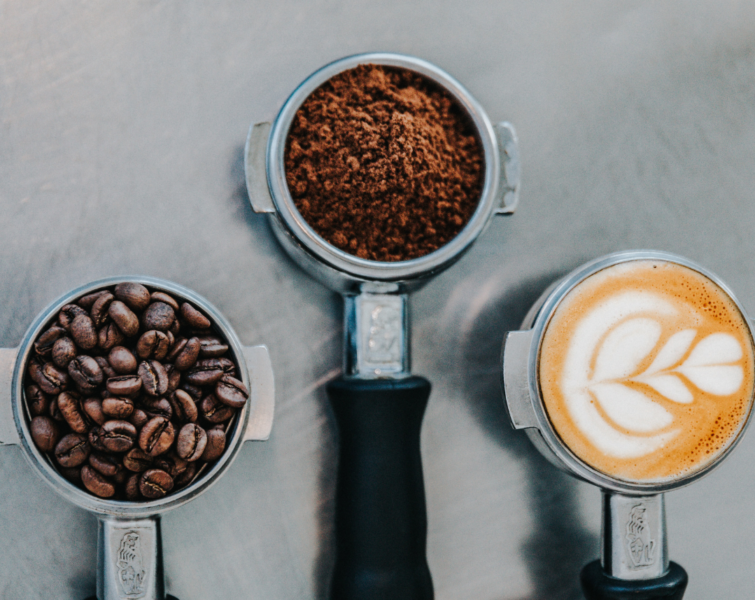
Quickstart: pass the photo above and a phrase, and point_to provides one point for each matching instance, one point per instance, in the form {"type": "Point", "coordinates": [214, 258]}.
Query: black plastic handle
{"type": "Point", "coordinates": [381, 520]}
{"type": "Point", "coordinates": [596, 585]}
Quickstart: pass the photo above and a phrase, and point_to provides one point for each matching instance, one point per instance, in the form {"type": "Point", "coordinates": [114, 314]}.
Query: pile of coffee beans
{"type": "Point", "coordinates": [131, 391]}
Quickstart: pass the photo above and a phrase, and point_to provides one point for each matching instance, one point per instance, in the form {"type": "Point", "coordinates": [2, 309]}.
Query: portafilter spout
{"type": "Point", "coordinates": [381, 522]}
{"type": "Point", "coordinates": [129, 554]}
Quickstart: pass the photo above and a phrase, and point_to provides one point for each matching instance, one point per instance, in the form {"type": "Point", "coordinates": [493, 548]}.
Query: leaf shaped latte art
{"type": "Point", "coordinates": [624, 420]}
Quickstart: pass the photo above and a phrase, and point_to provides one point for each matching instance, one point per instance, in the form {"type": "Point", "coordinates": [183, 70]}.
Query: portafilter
{"type": "Point", "coordinates": [129, 547]}
{"type": "Point", "coordinates": [609, 361]}
{"type": "Point", "coordinates": [381, 518]}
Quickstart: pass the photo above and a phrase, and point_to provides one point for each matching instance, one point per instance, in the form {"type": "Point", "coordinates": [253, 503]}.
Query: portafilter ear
{"type": "Point", "coordinates": [132, 529]}
{"type": "Point", "coordinates": [607, 361]}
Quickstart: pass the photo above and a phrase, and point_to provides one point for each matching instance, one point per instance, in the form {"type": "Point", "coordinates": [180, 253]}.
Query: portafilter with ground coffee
{"type": "Point", "coordinates": [173, 458]}
{"type": "Point", "coordinates": [380, 171]}
{"type": "Point", "coordinates": [634, 373]}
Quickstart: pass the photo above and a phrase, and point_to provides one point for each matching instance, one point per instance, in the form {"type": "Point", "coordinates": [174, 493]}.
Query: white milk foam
{"type": "Point", "coordinates": [625, 344]}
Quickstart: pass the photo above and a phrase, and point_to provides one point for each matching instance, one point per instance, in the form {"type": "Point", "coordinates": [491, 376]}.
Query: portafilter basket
{"type": "Point", "coordinates": [129, 554]}
{"type": "Point", "coordinates": [381, 520]}
{"type": "Point", "coordinates": [633, 511]}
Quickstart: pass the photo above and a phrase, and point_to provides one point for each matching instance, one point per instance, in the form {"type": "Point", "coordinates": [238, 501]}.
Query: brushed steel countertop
{"type": "Point", "coordinates": [122, 127]}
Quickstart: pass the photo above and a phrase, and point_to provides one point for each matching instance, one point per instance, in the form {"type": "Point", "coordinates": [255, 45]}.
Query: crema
{"type": "Point", "coordinates": [646, 370]}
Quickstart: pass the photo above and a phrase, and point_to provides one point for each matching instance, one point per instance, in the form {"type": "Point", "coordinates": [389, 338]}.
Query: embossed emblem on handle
{"type": "Point", "coordinates": [641, 547]}
{"type": "Point", "coordinates": [131, 573]}
{"type": "Point", "coordinates": [383, 343]}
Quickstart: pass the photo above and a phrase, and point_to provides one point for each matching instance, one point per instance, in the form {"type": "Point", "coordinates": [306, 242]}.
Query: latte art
{"type": "Point", "coordinates": [646, 370]}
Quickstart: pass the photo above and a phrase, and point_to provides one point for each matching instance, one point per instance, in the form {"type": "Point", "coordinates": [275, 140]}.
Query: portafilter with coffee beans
{"type": "Point", "coordinates": [131, 396]}
{"type": "Point", "coordinates": [634, 373]}
{"type": "Point", "coordinates": [361, 134]}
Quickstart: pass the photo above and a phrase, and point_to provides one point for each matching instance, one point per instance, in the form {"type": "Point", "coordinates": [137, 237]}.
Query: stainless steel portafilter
{"type": "Point", "coordinates": [634, 553]}
{"type": "Point", "coordinates": [380, 505]}
{"type": "Point", "coordinates": [129, 554]}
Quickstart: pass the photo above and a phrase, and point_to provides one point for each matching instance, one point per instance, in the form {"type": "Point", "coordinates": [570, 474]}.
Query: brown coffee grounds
{"type": "Point", "coordinates": [383, 163]}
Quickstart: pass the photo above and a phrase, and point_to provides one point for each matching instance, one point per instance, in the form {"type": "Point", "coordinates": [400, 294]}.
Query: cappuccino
{"type": "Point", "coordinates": [646, 371]}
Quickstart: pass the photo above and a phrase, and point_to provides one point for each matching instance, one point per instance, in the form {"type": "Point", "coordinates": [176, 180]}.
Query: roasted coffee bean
{"type": "Point", "coordinates": [117, 407]}
{"type": "Point", "coordinates": [45, 342]}
{"type": "Point", "coordinates": [105, 464]}
{"type": "Point", "coordinates": [188, 354]}
{"type": "Point", "coordinates": [96, 483]}
{"type": "Point", "coordinates": [194, 391]}
{"type": "Point", "coordinates": [166, 299]}
{"type": "Point", "coordinates": [156, 436]}
{"type": "Point", "coordinates": [184, 407]}
{"type": "Point", "coordinates": [157, 407]}
{"type": "Point", "coordinates": [124, 385]}
{"type": "Point", "coordinates": [177, 464]}
{"type": "Point", "coordinates": [45, 433]}
{"type": "Point", "coordinates": [174, 378]}
{"type": "Point", "coordinates": [215, 411]}
{"type": "Point", "coordinates": [212, 346]}
{"type": "Point", "coordinates": [84, 332]}
{"type": "Point", "coordinates": [109, 336]}
{"type": "Point", "coordinates": [37, 400]}
{"type": "Point", "coordinates": [124, 318]}
{"type": "Point", "coordinates": [93, 408]}
{"type": "Point", "coordinates": [135, 295]}
{"type": "Point", "coordinates": [231, 391]}
{"type": "Point", "coordinates": [175, 348]}
{"type": "Point", "coordinates": [215, 444]}
{"type": "Point", "coordinates": [107, 370]}
{"type": "Point", "coordinates": [191, 442]}
{"type": "Point", "coordinates": [121, 476]}
{"type": "Point", "coordinates": [100, 309]}
{"type": "Point", "coordinates": [132, 487]}
{"type": "Point", "coordinates": [72, 450]}
{"type": "Point", "coordinates": [85, 372]}
{"type": "Point", "coordinates": [155, 483]}
{"type": "Point", "coordinates": [186, 475]}
{"type": "Point", "coordinates": [95, 439]}
{"type": "Point", "coordinates": [68, 314]}
{"type": "Point", "coordinates": [137, 460]}
{"type": "Point", "coordinates": [153, 344]}
{"type": "Point", "coordinates": [48, 377]}
{"type": "Point", "coordinates": [139, 418]}
{"type": "Point", "coordinates": [175, 329]}
{"type": "Point", "coordinates": [72, 474]}
{"type": "Point", "coordinates": [204, 375]}
{"type": "Point", "coordinates": [122, 360]}
{"type": "Point", "coordinates": [54, 412]}
{"type": "Point", "coordinates": [70, 407]}
{"type": "Point", "coordinates": [63, 352]}
{"type": "Point", "coordinates": [193, 317]}
{"type": "Point", "coordinates": [118, 436]}
{"type": "Point", "coordinates": [158, 316]}
{"type": "Point", "coordinates": [154, 378]}
{"type": "Point", "coordinates": [87, 302]}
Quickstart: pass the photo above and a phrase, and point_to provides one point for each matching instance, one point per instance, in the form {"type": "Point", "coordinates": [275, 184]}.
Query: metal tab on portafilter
{"type": "Point", "coordinates": [129, 548]}
{"type": "Point", "coordinates": [380, 505]}
{"type": "Point", "coordinates": [633, 373]}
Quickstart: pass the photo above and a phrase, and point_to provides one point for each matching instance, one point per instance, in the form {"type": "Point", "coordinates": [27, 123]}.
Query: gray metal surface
{"type": "Point", "coordinates": [122, 127]}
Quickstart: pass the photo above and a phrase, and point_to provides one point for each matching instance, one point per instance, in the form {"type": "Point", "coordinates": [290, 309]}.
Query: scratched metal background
{"type": "Point", "coordinates": [121, 134]}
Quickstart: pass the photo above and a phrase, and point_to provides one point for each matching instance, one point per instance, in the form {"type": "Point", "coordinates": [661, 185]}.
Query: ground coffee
{"type": "Point", "coordinates": [383, 163]}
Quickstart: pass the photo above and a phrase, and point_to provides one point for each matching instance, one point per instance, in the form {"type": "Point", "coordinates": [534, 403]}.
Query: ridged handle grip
{"type": "Point", "coordinates": [596, 585]}
{"type": "Point", "coordinates": [381, 520]}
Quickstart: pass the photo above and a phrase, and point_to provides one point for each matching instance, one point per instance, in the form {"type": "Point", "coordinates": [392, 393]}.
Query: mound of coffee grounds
{"type": "Point", "coordinates": [383, 163]}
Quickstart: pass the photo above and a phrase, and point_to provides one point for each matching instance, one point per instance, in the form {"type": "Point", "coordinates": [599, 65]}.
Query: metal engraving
{"type": "Point", "coordinates": [383, 344]}
{"type": "Point", "coordinates": [639, 543]}
{"type": "Point", "coordinates": [131, 573]}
